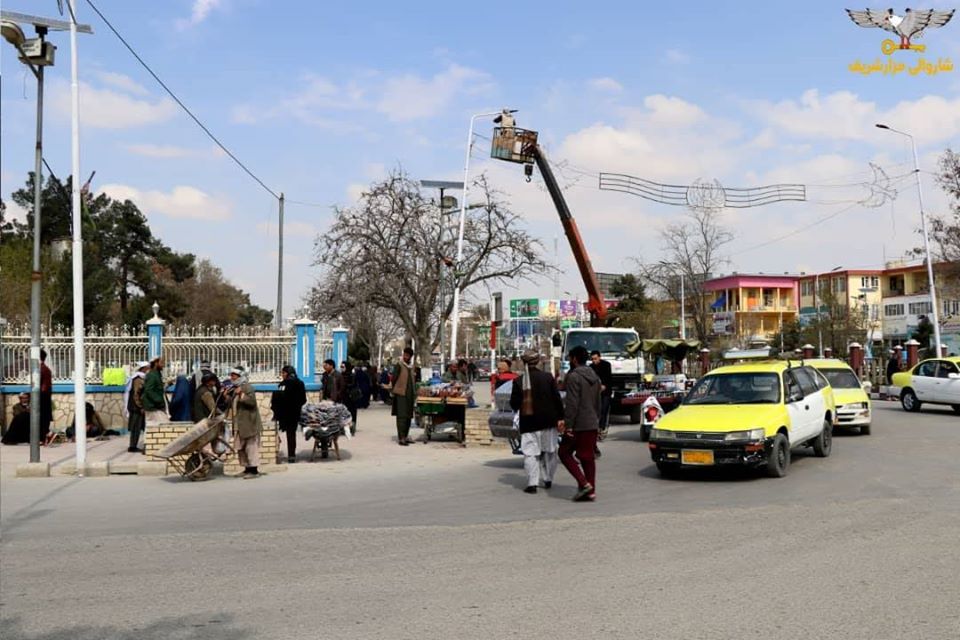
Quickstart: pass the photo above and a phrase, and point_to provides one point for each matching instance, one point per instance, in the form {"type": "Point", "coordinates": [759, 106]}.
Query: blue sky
{"type": "Point", "coordinates": [319, 102]}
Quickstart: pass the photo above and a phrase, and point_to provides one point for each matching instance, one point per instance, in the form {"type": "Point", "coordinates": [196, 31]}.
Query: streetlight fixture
{"type": "Point", "coordinates": [446, 204]}
{"type": "Point", "coordinates": [463, 216]}
{"type": "Point", "coordinates": [926, 238]}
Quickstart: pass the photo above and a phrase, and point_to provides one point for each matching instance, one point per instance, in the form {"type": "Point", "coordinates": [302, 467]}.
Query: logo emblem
{"type": "Point", "coordinates": [910, 25]}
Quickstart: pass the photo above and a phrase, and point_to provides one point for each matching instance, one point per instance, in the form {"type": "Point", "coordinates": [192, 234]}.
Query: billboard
{"type": "Point", "coordinates": [724, 324]}
{"type": "Point", "coordinates": [549, 309]}
{"type": "Point", "coordinates": [524, 308]}
{"type": "Point", "coordinates": [568, 309]}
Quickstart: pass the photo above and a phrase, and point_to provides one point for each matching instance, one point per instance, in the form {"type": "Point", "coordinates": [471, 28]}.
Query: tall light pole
{"type": "Point", "coordinates": [463, 217]}
{"type": "Point", "coordinates": [926, 239]}
{"type": "Point", "coordinates": [683, 310]}
{"type": "Point", "coordinates": [36, 53]}
{"type": "Point", "coordinates": [446, 202]}
{"type": "Point", "coordinates": [279, 319]}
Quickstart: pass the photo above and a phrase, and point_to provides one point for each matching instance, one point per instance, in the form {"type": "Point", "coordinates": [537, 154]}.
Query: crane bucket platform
{"type": "Point", "coordinates": [513, 144]}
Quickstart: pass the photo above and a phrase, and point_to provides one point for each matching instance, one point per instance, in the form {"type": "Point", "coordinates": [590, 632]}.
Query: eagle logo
{"type": "Point", "coordinates": [910, 25]}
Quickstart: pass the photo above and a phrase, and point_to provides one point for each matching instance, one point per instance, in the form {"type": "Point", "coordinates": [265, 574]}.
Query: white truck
{"type": "Point", "coordinates": [627, 369]}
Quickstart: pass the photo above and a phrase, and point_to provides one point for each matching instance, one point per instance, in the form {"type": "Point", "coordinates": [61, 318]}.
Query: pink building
{"type": "Point", "coordinates": [752, 306]}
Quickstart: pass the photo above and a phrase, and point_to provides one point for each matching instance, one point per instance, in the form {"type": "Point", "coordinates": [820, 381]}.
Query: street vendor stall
{"type": "Point", "coordinates": [442, 409]}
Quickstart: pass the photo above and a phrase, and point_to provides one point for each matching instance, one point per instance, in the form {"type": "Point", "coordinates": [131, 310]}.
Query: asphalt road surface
{"type": "Point", "coordinates": [432, 541]}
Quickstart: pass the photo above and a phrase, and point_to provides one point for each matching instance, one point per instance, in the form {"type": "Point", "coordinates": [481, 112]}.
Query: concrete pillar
{"type": "Point", "coordinates": [704, 361]}
{"type": "Point", "coordinates": [305, 349]}
{"type": "Point", "coordinates": [913, 352]}
{"type": "Point", "coordinates": [807, 351]}
{"type": "Point", "coordinates": [856, 357]}
{"type": "Point", "coordinates": [155, 334]}
{"type": "Point", "coordinates": [339, 345]}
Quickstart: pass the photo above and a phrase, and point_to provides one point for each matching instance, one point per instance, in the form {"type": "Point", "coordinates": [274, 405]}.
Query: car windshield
{"type": "Point", "coordinates": [736, 388]}
{"type": "Point", "coordinates": [606, 342]}
{"type": "Point", "coordinates": [841, 378]}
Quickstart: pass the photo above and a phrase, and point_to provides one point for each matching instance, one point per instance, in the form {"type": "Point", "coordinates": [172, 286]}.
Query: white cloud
{"type": "Point", "coordinates": [605, 84]}
{"type": "Point", "coordinates": [842, 115]}
{"type": "Point", "coordinates": [109, 109]}
{"type": "Point", "coordinates": [410, 96]}
{"type": "Point", "coordinates": [199, 12]}
{"type": "Point", "coordinates": [182, 202]}
{"type": "Point", "coordinates": [676, 56]}
{"type": "Point", "coordinates": [122, 82]}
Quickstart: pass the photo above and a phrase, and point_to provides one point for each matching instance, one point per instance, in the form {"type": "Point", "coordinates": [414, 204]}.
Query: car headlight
{"type": "Point", "coordinates": [662, 434]}
{"type": "Point", "coordinates": [752, 434]}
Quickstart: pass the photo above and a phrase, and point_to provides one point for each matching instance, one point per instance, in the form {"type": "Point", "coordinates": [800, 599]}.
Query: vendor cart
{"type": "Point", "coordinates": [442, 415]}
{"type": "Point", "coordinates": [194, 453]}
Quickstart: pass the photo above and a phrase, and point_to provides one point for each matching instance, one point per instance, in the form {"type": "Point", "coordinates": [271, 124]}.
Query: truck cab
{"type": "Point", "coordinates": [612, 344]}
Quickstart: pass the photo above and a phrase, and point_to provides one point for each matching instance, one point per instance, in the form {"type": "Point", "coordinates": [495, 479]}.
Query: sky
{"type": "Point", "coordinates": [319, 103]}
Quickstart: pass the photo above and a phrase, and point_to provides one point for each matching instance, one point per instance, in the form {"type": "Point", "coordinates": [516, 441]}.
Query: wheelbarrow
{"type": "Point", "coordinates": [194, 453]}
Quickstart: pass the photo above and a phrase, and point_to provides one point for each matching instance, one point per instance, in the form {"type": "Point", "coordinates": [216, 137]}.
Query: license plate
{"type": "Point", "coordinates": [696, 456]}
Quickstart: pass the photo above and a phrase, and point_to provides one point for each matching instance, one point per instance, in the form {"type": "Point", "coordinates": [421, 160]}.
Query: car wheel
{"type": "Point", "coordinates": [779, 458]}
{"type": "Point", "coordinates": [909, 401]}
{"type": "Point", "coordinates": [865, 429]}
{"type": "Point", "coordinates": [824, 442]}
{"type": "Point", "coordinates": [668, 470]}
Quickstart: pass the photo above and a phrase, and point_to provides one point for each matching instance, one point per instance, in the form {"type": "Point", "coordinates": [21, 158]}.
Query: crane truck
{"type": "Point", "coordinates": [513, 144]}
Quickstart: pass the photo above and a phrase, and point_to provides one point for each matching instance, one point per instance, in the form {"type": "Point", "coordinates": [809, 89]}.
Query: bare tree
{"type": "Point", "coordinates": [693, 248]}
{"type": "Point", "coordinates": [394, 250]}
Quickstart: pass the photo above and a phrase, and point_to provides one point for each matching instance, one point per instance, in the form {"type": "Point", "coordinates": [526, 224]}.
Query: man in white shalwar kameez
{"type": "Point", "coordinates": [536, 397]}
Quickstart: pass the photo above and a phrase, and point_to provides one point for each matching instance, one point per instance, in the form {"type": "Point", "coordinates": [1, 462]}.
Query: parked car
{"type": "Point", "coordinates": [850, 394]}
{"type": "Point", "coordinates": [750, 414]}
{"type": "Point", "coordinates": [934, 381]}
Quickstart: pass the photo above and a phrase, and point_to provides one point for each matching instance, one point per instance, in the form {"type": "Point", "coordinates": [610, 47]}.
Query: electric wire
{"type": "Point", "coordinates": [180, 102]}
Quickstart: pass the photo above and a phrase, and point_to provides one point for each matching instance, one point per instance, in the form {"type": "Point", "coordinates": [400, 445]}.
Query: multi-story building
{"type": "Point", "coordinates": [906, 298]}
{"type": "Point", "coordinates": [751, 307]}
{"type": "Point", "coordinates": [857, 290]}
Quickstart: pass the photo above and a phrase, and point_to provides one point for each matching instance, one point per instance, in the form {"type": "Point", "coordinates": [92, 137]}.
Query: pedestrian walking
{"type": "Point", "coordinates": [154, 397]}
{"type": "Point", "coordinates": [46, 396]}
{"type": "Point", "coordinates": [133, 406]}
{"type": "Point", "coordinates": [404, 393]}
{"type": "Point", "coordinates": [246, 423]}
{"type": "Point", "coordinates": [362, 379]}
{"type": "Point", "coordinates": [605, 372]}
{"type": "Point", "coordinates": [351, 395]}
{"type": "Point", "coordinates": [331, 382]}
{"type": "Point", "coordinates": [581, 422]}
{"type": "Point", "coordinates": [286, 403]}
{"type": "Point", "coordinates": [538, 400]}
{"type": "Point", "coordinates": [893, 366]}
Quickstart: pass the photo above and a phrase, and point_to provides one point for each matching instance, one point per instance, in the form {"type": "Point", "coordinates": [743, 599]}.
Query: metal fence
{"type": "Point", "coordinates": [262, 351]}
{"type": "Point", "coordinates": [104, 348]}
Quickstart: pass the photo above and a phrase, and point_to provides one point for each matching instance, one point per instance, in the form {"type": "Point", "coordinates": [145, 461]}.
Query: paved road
{"type": "Point", "coordinates": [430, 541]}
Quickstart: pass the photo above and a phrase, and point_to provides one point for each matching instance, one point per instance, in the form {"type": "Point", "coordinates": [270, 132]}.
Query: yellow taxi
{"type": "Point", "coordinates": [751, 414]}
{"type": "Point", "coordinates": [853, 402]}
{"type": "Point", "coordinates": [933, 381]}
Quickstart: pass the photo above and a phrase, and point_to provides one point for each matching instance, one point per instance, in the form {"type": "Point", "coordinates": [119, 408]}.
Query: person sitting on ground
{"type": "Point", "coordinates": [19, 428]}
{"type": "Point", "coordinates": [94, 424]}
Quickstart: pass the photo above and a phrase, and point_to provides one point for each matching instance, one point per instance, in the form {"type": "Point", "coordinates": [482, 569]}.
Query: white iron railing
{"type": "Point", "coordinates": [261, 351]}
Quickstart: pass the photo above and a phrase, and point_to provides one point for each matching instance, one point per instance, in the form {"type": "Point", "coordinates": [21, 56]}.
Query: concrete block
{"type": "Point", "coordinates": [33, 470]}
{"type": "Point", "coordinates": [151, 468]}
{"type": "Point", "coordinates": [96, 469]}
{"type": "Point", "coordinates": [123, 468]}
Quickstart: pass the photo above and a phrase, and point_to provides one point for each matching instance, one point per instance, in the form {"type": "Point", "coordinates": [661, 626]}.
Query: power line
{"type": "Point", "coordinates": [180, 102]}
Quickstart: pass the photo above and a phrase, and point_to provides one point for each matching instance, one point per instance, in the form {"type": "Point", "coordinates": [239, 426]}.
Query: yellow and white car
{"type": "Point", "coordinates": [853, 403]}
{"type": "Point", "coordinates": [934, 381]}
{"type": "Point", "coordinates": [749, 414]}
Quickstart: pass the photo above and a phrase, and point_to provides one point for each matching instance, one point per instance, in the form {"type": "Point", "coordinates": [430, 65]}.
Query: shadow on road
{"type": "Point", "coordinates": [208, 627]}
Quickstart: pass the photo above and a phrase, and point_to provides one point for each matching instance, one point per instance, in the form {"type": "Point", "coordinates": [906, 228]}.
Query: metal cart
{"type": "Point", "coordinates": [442, 415]}
{"type": "Point", "coordinates": [190, 454]}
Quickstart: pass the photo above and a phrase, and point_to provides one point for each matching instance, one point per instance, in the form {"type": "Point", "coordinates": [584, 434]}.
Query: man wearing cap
{"type": "Point", "coordinates": [246, 423]}
{"type": "Point", "coordinates": [19, 428]}
{"type": "Point", "coordinates": [404, 394]}
{"type": "Point", "coordinates": [205, 400]}
{"type": "Point", "coordinates": [536, 397]}
{"type": "Point", "coordinates": [154, 397]}
{"type": "Point", "coordinates": [133, 405]}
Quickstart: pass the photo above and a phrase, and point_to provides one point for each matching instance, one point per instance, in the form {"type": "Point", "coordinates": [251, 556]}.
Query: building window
{"type": "Point", "coordinates": [892, 310]}
{"type": "Point", "coordinates": [951, 307]}
{"type": "Point", "coordinates": [920, 308]}
{"type": "Point", "coordinates": [896, 285]}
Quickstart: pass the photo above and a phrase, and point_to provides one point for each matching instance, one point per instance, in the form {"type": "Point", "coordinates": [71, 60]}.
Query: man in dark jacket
{"type": "Point", "coordinates": [286, 403]}
{"type": "Point", "coordinates": [605, 372]}
{"type": "Point", "coordinates": [154, 395]}
{"type": "Point", "coordinates": [581, 421]}
{"type": "Point", "coordinates": [539, 418]}
{"type": "Point", "coordinates": [332, 381]}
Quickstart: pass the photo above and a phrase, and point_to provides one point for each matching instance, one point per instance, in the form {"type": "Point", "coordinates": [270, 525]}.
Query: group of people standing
{"type": "Point", "coordinates": [554, 429]}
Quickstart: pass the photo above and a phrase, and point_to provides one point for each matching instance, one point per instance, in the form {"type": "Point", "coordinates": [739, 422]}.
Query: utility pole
{"type": "Point", "coordinates": [37, 276]}
{"type": "Point", "coordinates": [279, 318]}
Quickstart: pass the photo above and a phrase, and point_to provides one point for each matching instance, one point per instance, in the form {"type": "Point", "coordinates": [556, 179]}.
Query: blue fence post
{"type": "Point", "coordinates": [340, 345]}
{"type": "Point", "coordinates": [305, 349]}
{"type": "Point", "coordinates": [155, 334]}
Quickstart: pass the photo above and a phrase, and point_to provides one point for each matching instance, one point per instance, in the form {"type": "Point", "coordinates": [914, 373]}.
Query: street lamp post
{"type": "Point", "coordinates": [443, 185]}
{"type": "Point", "coordinates": [14, 35]}
{"type": "Point", "coordinates": [926, 240]}
{"type": "Point", "coordinates": [463, 215]}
